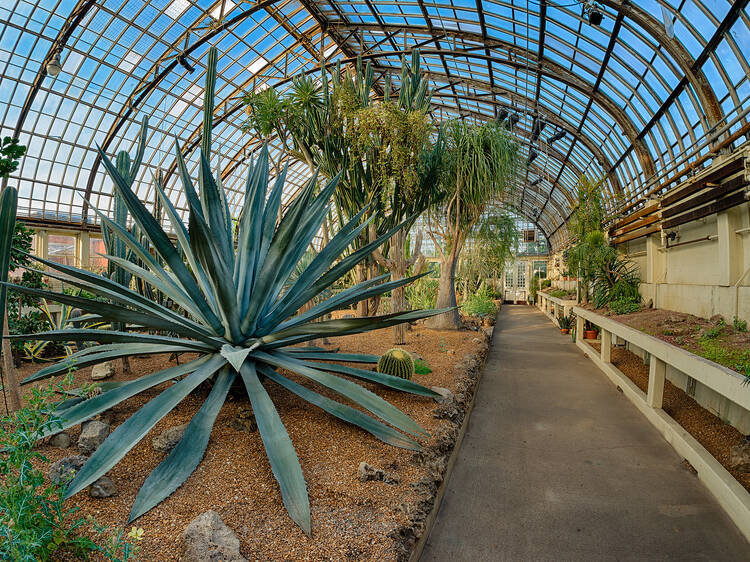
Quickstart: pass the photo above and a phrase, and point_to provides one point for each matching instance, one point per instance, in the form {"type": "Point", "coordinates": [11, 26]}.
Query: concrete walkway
{"type": "Point", "coordinates": [559, 465]}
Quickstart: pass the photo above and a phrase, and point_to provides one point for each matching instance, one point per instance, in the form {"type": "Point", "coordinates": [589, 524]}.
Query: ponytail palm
{"type": "Point", "coordinates": [238, 309]}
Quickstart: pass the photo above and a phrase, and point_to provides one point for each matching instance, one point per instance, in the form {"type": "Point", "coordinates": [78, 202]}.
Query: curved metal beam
{"type": "Point", "coordinates": [143, 90]}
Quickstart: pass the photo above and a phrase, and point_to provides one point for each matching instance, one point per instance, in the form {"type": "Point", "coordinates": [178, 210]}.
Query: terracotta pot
{"type": "Point", "coordinates": [590, 334]}
{"type": "Point", "coordinates": [564, 330]}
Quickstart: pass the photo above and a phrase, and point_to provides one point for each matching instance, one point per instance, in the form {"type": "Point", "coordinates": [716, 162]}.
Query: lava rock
{"type": "Point", "coordinates": [61, 440]}
{"type": "Point", "coordinates": [93, 434]}
{"type": "Point", "coordinates": [65, 469]}
{"type": "Point", "coordinates": [445, 394]}
{"type": "Point", "coordinates": [415, 356]}
{"type": "Point", "coordinates": [208, 539]}
{"type": "Point", "coordinates": [169, 438]}
{"type": "Point", "coordinates": [103, 488]}
{"type": "Point", "coordinates": [102, 371]}
{"type": "Point", "coordinates": [244, 421]}
{"type": "Point", "coordinates": [739, 457]}
{"type": "Point", "coordinates": [366, 473]}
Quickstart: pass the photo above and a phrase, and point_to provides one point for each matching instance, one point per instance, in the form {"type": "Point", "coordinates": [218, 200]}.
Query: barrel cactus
{"type": "Point", "coordinates": [396, 362]}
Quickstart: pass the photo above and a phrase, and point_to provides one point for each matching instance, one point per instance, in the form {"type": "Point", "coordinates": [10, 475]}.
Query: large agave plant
{"type": "Point", "coordinates": [238, 310]}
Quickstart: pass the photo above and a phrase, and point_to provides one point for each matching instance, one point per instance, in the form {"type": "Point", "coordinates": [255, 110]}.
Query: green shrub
{"type": "Point", "coordinates": [421, 367]}
{"type": "Point", "coordinates": [624, 306]}
{"type": "Point", "coordinates": [479, 304]}
{"type": "Point", "coordinates": [34, 524]}
{"type": "Point", "coordinates": [396, 362]}
{"type": "Point", "coordinates": [422, 294]}
{"type": "Point", "coordinates": [546, 283]}
{"type": "Point", "coordinates": [739, 325]}
{"type": "Point", "coordinates": [558, 293]}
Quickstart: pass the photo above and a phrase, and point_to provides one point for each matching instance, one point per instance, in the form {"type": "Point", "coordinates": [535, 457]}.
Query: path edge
{"type": "Point", "coordinates": [429, 522]}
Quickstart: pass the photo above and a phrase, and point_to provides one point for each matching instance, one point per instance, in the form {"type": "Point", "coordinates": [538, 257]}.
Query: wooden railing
{"type": "Point", "coordinates": [552, 306]}
{"type": "Point", "coordinates": [731, 385]}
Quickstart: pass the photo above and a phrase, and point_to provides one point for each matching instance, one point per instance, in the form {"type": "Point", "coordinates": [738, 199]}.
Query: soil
{"type": "Point", "coordinates": [351, 520]}
{"type": "Point", "coordinates": [709, 430]}
{"type": "Point", "coordinates": [690, 332]}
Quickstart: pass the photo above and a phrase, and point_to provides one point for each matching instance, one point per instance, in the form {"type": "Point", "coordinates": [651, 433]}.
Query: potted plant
{"type": "Point", "coordinates": [590, 331]}
{"type": "Point", "coordinates": [565, 322]}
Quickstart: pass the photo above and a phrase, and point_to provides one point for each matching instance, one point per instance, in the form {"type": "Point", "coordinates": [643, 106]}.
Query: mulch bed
{"type": "Point", "coordinates": [351, 520]}
{"type": "Point", "coordinates": [709, 430]}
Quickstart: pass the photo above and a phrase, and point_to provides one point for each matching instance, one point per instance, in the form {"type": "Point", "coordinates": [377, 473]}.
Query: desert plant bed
{"type": "Point", "coordinates": [717, 437]}
{"type": "Point", "coordinates": [352, 519]}
{"type": "Point", "coordinates": [723, 341]}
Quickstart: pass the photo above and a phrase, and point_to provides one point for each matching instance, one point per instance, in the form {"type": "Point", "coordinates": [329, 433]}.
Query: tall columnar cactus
{"type": "Point", "coordinates": [396, 362]}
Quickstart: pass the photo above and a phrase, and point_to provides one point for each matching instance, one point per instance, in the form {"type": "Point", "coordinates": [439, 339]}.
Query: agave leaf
{"type": "Point", "coordinates": [183, 238]}
{"type": "Point", "coordinates": [344, 326]}
{"type": "Point", "coordinates": [384, 379]}
{"type": "Point", "coordinates": [279, 448]}
{"type": "Point", "coordinates": [187, 454]}
{"type": "Point", "coordinates": [213, 210]}
{"type": "Point", "coordinates": [110, 311]}
{"type": "Point", "coordinates": [347, 357]}
{"type": "Point", "coordinates": [101, 353]}
{"type": "Point", "coordinates": [358, 292]}
{"type": "Point", "coordinates": [109, 336]}
{"type": "Point", "coordinates": [124, 296]}
{"type": "Point", "coordinates": [130, 432]}
{"type": "Point", "coordinates": [160, 241]}
{"type": "Point", "coordinates": [209, 253]}
{"type": "Point", "coordinates": [347, 388]}
{"type": "Point", "coordinates": [73, 414]}
{"type": "Point", "coordinates": [235, 355]}
{"type": "Point", "coordinates": [383, 432]}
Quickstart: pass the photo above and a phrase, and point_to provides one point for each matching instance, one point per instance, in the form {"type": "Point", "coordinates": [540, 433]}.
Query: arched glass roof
{"type": "Point", "coordinates": [655, 86]}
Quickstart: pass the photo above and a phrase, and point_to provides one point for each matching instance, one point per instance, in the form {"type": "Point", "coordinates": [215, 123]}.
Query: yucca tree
{"type": "Point", "coordinates": [239, 313]}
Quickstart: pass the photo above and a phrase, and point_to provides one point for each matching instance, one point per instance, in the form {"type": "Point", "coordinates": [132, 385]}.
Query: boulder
{"type": "Point", "coordinates": [93, 434]}
{"type": "Point", "coordinates": [61, 440]}
{"type": "Point", "coordinates": [102, 371]}
{"type": "Point", "coordinates": [739, 457]}
{"type": "Point", "coordinates": [102, 488]}
{"type": "Point", "coordinates": [65, 469]}
{"type": "Point", "coordinates": [366, 473]}
{"type": "Point", "coordinates": [208, 539]}
{"type": "Point", "coordinates": [169, 438]}
{"type": "Point", "coordinates": [446, 395]}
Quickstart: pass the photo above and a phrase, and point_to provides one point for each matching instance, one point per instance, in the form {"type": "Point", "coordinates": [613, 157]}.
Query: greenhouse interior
{"type": "Point", "coordinates": [328, 280]}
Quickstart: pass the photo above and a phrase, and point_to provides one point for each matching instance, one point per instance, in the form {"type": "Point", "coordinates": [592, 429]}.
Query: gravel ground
{"type": "Point", "coordinates": [351, 520]}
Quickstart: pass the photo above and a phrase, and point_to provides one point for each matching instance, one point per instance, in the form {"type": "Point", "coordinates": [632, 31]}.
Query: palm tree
{"type": "Point", "coordinates": [479, 166]}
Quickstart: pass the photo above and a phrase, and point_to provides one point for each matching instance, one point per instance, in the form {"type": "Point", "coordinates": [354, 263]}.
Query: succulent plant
{"type": "Point", "coordinates": [237, 310]}
{"type": "Point", "coordinates": [398, 363]}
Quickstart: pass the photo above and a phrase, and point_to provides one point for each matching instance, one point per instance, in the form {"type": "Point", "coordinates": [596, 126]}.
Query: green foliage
{"type": "Point", "coordinates": [714, 349]}
{"type": "Point", "coordinates": [21, 246]}
{"type": "Point", "coordinates": [422, 294]}
{"type": "Point", "coordinates": [10, 154]}
{"type": "Point", "coordinates": [624, 306]}
{"type": "Point", "coordinates": [615, 278]}
{"type": "Point", "coordinates": [396, 362]}
{"type": "Point", "coordinates": [479, 304]}
{"type": "Point", "coordinates": [565, 322]}
{"type": "Point", "coordinates": [421, 367]}
{"type": "Point", "coordinates": [739, 325]}
{"type": "Point", "coordinates": [233, 311]}
{"type": "Point", "coordinates": [34, 523]}
{"type": "Point", "coordinates": [489, 248]}
{"type": "Point", "coordinates": [559, 293]}
{"type": "Point", "coordinates": [546, 283]}
{"type": "Point", "coordinates": [31, 321]}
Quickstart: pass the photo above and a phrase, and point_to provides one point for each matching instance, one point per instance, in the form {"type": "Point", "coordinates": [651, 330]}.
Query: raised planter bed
{"type": "Point", "coordinates": [733, 497]}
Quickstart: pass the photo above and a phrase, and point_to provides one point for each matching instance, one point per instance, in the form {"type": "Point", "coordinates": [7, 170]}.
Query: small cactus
{"type": "Point", "coordinates": [396, 362]}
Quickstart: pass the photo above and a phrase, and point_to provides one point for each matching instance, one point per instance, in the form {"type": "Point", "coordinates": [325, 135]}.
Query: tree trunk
{"type": "Point", "coordinates": [447, 293]}
{"type": "Point", "coordinates": [361, 271]}
{"type": "Point", "coordinates": [10, 377]}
